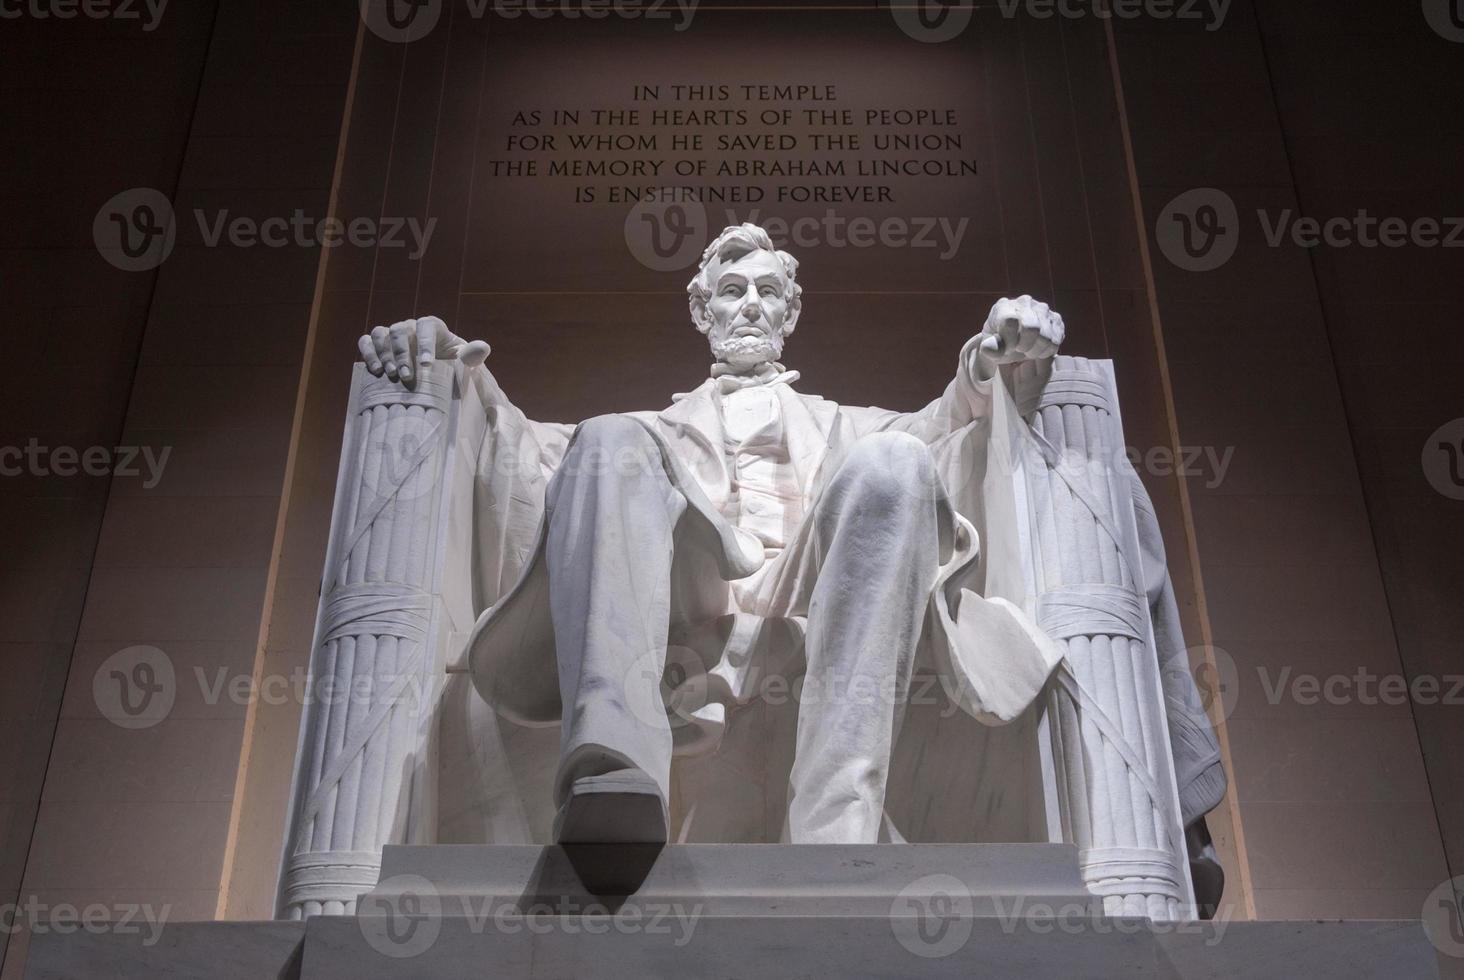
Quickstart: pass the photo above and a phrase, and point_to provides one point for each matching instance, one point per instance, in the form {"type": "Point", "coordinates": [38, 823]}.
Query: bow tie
{"type": "Point", "coordinates": [769, 372]}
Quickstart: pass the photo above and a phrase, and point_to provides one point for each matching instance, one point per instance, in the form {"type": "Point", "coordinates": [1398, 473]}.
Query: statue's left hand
{"type": "Point", "coordinates": [1021, 329]}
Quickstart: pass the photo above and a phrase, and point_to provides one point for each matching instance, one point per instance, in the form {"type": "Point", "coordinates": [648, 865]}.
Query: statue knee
{"type": "Point", "coordinates": [611, 431]}
{"type": "Point", "coordinates": [894, 467]}
{"type": "Point", "coordinates": [611, 446]}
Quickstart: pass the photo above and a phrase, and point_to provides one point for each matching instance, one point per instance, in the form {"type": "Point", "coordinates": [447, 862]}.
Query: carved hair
{"type": "Point", "coordinates": [733, 243]}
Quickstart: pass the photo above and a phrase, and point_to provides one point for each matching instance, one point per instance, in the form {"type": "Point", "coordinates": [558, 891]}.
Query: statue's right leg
{"type": "Point", "coordinates": [612, 510]}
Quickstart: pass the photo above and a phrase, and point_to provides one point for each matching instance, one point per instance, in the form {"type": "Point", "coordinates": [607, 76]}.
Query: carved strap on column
{"type": "Point", "coordinates": [1109, 736]}
{"type": "Point", "coordinates": [363, 772]}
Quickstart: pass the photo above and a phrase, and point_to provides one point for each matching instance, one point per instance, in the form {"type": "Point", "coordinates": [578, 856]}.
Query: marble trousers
{"type": "Point", "coordinates": [863, 567]}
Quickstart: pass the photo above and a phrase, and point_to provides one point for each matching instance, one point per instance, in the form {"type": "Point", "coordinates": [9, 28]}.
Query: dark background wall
{"type": "Point", "coordinates": [220, 105]}
{"type": "Point", "coordinates": [1327, 550]}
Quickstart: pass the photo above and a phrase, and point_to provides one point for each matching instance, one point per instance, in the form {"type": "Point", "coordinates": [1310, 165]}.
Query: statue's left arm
{"type": "Point", "coordinates": [1018, 341]}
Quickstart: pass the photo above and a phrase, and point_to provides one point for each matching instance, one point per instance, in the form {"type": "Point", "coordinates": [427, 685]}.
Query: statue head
{"type": "Point", "coordinates": [745, 297]}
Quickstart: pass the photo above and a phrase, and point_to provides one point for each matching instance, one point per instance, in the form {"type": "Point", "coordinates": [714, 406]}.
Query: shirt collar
{"type": "Point", "coordinates": [729, 379]}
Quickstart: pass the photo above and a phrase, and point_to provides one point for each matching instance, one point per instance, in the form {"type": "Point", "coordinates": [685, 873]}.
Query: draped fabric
{"type": "Point", "coordinates": [980, 634]}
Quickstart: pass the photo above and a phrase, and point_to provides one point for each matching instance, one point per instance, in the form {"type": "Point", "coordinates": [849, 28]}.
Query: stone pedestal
{"type": "Point", "coordinates": [771, 911]}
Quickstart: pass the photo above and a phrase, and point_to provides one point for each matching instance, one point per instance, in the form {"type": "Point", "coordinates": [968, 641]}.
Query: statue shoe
{"type": "Point", "coordinates": [620, 807]}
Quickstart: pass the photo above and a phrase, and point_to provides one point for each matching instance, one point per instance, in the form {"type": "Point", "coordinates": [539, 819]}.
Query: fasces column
{"type": "Point", "coordinates": [1106, 716]}
{"type": "Point", "coordinates": [363, 767]}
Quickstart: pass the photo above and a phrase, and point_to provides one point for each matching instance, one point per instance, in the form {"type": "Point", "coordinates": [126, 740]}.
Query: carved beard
{"type": "Point", "coordinates": [746, 352]}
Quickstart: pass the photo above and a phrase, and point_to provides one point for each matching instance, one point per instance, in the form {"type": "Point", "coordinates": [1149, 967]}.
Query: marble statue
{"type": "Point", "coordinates": [743, 618]}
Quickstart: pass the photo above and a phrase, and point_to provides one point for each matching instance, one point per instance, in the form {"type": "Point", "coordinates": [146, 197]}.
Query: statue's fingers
{"type": "Point", "coordinates": [1056, 330]}
{"type": "Point", "coordinates": [1030, 334]}
{"type": "Point", "coordinates": [381, 343]}
{"type": "Point", "coordinates": [368, 354]}
{"type": "Point", "coordinates": [402, 335]}
{"type": "Point", "coordinates": [1010, 331]}
{"type": "Point", "coordinates": [428, 339]}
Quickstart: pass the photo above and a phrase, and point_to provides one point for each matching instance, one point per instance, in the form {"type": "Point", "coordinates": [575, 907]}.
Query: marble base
{"type": "Point", "coordinates": [1005, 910]}
{"type": "Point", "coordinates": [735, 879]}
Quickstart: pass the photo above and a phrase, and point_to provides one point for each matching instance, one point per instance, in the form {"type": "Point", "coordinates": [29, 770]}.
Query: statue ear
{"type": "Point", "coordinates": [790, 319]}
{"type": "Point", "coordinates": [701, 317]}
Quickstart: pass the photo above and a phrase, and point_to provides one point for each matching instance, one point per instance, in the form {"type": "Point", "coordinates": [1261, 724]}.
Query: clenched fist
{"type": "Point", "coordinates": [400, 350]}
{"type": "Point", "coordinates": [1021, 329]}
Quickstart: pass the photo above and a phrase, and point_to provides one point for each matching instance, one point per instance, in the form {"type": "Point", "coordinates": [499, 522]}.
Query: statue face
{"type": "Point", "coordinates": [747, 315]}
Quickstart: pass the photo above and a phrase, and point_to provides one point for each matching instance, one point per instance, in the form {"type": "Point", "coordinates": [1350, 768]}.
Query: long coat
{"type": "Point", "coordinates": [991, 658]}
